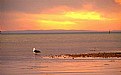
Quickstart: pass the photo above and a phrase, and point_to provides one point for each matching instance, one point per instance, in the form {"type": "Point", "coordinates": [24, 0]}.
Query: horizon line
{"type": "Point", "coordinates": [59, 30]}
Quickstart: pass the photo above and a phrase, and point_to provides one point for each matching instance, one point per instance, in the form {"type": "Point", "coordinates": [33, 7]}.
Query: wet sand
{"type": "Point", "coordinates": [54, 66]}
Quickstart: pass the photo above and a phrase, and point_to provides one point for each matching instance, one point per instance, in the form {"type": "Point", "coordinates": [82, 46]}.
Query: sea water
{"type": "Point", "coordinates": [17, 58]}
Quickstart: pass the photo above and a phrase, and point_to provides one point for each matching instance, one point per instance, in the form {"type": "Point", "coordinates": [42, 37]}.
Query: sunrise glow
{"type": "Point", "coordinates": [84, 15]}
{"type": "Point", "coordinates": [59, 15]}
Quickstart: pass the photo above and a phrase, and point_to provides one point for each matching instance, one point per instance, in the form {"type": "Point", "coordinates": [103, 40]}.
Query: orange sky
{"type": "Point", "coordinates": [61, 15]}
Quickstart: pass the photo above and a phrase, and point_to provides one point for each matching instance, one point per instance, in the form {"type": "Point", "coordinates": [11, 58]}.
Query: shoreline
{"type": "Point", "coordinates": [86, 55]}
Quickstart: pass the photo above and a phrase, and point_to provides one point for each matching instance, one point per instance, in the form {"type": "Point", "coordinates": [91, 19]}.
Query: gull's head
{"type": "Point", "coordinates": [33, 49]}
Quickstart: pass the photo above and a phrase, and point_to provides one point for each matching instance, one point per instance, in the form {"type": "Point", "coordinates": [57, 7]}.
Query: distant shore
{"type": "Point", "coordinates": [58, 32]}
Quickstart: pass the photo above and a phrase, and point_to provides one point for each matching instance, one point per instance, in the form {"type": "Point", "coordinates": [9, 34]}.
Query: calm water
{"type": "Point", "coordinates": [16, 57]}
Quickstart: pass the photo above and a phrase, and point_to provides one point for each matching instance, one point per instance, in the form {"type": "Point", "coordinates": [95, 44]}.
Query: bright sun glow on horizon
{"type": "Point", "coordinates": [72, 20]}
{"type": "Point", "coordinates": [50, 24]}
{"type": "Point", "coordinates": [84, 15]}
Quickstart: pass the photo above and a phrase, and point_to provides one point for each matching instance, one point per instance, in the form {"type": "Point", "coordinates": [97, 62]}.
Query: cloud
{"type": "Point", "coordinates": [118, 1]}
{"type": "Point", "coordinates": [57, 9]}
{"type": "Point", "coordinates": [85, 15]}
{"type": "Point", "coordinates": [38, 6]}
{"type": "Point", "coordinates": [25, 14]}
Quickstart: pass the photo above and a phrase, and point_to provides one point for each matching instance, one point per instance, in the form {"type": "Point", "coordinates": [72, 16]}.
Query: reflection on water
{"type": "Point", "coordinates": [16, 44]}
{"type": "Point", "coordinates": [16, 57]}
{"type": "Point", "coordinates": [42, 66]}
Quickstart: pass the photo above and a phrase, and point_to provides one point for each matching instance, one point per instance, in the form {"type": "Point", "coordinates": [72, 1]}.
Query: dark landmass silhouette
{"type": "Point", "coordinates": [56, 31]}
